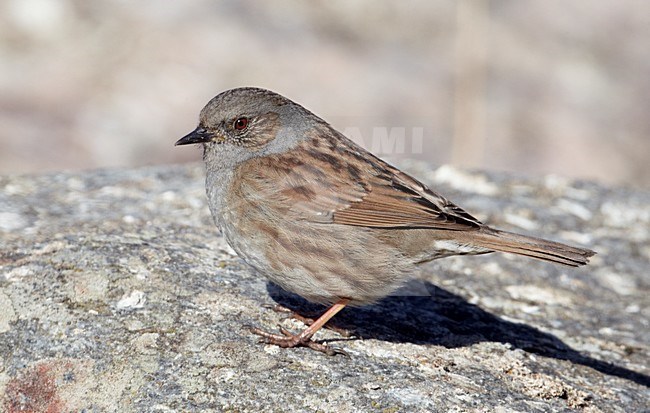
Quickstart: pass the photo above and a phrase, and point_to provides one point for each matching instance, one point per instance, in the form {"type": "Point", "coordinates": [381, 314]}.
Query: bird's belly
{"type": "Point", "coordinates": [320, 262]}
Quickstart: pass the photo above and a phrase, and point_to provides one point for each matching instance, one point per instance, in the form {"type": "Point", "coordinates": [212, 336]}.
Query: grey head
{"type": "Point", "coordinates": [247, 122]}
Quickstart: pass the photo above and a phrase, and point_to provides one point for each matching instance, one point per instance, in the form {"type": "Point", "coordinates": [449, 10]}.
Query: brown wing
{"type": "Point", "coordinates": [334, 181]}
{"type": "Point", "coordinates": [397, 200]}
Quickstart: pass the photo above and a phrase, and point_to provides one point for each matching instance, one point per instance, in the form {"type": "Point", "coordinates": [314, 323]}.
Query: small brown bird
{"type": "Point", "coordinates": [324, 218]}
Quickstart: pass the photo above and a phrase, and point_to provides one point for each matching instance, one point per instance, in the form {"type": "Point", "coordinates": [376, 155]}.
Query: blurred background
{"type": "Point", "coordinates": [526, 86]}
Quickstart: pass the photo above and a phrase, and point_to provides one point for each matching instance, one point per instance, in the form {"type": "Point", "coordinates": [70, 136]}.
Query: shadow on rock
{"type": "Point", "coordinates": [445, 319]}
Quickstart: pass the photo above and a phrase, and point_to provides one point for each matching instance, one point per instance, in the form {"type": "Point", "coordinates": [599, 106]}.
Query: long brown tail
{"type": "Point", "coordinates": [532, 247]}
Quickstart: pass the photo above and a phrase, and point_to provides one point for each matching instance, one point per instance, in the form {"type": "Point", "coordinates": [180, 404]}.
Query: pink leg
{"type": "Point", "coordinates": [288, 340]}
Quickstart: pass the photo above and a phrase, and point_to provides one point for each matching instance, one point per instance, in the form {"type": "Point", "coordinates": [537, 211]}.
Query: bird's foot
{"type": "Point", "coordinates": [290, 340]}
{"type": "Point", "coordinates": [278, 308]}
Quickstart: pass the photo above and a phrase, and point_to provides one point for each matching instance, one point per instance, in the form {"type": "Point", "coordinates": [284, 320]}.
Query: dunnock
{"type": "Point", "coordinates": [324, 218]}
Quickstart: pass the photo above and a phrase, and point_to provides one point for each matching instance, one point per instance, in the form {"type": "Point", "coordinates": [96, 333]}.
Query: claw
{"type": "Point", "coordinates": [288, 340]}
{"type": "Point", "coordinates": [285, 331]}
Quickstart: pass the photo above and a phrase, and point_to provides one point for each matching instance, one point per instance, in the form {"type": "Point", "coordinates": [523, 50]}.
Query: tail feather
{"type": "Point", "coordinates": [533, 247]}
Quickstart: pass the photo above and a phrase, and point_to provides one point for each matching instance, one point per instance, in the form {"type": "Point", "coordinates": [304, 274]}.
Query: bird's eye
{"type": "Point", "coordinates": [241, 123]}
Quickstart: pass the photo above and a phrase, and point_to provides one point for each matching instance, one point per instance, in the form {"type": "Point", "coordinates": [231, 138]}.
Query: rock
{"type": "Point", "coordinates": [117, 293]}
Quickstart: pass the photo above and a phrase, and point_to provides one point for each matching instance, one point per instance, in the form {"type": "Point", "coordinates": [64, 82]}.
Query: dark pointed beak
{"type": "Point", "coordinates": [198, 135]}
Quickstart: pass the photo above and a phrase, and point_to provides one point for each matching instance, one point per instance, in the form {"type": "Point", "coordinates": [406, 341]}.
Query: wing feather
{"type": "Point", "coordinates": [342, 184]}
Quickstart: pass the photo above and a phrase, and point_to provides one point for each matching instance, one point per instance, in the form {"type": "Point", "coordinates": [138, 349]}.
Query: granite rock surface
{"type": "Point", "coordinates": [117, 293]}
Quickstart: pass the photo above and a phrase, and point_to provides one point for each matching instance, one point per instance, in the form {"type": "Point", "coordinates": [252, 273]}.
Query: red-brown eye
{"type": "Point", "coordinates": [241, 123]}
